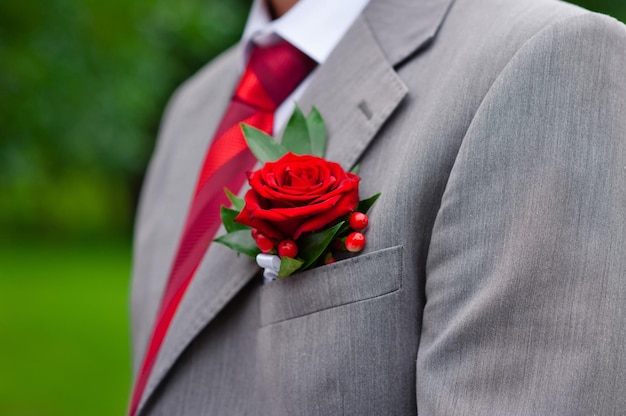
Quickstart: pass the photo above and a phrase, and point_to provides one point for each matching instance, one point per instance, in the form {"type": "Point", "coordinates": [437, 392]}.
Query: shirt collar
{"type": "Point", "coordinates": [313, 26]}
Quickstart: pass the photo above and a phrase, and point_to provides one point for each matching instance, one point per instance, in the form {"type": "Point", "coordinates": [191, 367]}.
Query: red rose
{"type": "Point", "coordinates": [298, 194]}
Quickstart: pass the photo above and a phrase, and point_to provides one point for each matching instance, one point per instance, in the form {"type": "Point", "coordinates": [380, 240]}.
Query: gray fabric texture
{"type": "Point", "coordinates": [494, 277]}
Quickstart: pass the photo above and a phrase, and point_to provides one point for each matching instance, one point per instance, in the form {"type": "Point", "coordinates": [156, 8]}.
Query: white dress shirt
{"type": "Point", "coordinates": [313, 26]}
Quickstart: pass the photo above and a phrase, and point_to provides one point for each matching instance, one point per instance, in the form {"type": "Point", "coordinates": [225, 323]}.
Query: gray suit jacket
{"type": "Point", "coordinates": [494, 279]}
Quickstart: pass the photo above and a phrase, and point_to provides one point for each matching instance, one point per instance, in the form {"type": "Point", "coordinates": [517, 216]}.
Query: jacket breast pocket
{"type": "Point", "coordinates": [356, 279]}
{"type": "Point", "coordinates": [333, 340]}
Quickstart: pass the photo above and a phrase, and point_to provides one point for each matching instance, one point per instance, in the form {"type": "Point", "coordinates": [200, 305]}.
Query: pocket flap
{"type": "Point", "coordinates": [358, 278]}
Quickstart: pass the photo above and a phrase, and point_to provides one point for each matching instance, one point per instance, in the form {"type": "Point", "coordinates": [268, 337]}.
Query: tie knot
{"type": "Point", "coordinates": [272, 73]}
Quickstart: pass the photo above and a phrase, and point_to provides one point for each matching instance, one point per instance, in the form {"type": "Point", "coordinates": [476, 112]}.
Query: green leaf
{"type": "Point", "coordinates": [288, 266]}
{"type": "Point", "coordinates": [366, 204]}
{"type": "Point", "coordinates": [228, 218]}
{"type": "Point", "coordinates": [317, 132]}
{"type": "Point", "coordinates": [237, 202]}
{"type": "Point", "coordinates": [263, 146]}
{"type": "Point", "coordinates": [313, 245]}
{"type": "Point", "coordinates": [345, 228]}
{"type": "Point", "coordinates": [355, 169]}
{"type": "Point", "coordinates": [241, 241]}
{"type": "Point", "coordinates": [296, 135]}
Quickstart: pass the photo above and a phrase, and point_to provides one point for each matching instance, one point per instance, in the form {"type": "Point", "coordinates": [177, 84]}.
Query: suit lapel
{"type": "Point", "coordinates": [221, 274]}
{"type": "Point", "coordinates": [356, 90]}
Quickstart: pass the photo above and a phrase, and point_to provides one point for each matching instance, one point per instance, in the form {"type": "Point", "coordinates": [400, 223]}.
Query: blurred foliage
{"type": "Point", "coordinates": [82, 87]}
{"type": "Point", "coordinates": [615, 8]}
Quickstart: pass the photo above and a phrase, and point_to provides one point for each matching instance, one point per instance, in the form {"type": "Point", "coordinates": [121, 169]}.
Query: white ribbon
{"type": "Point", "coordinates": [270, 265]}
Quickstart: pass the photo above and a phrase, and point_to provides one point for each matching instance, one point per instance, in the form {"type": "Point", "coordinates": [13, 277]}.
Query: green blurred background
{"type": "Point", "coordinates": [82, 87]}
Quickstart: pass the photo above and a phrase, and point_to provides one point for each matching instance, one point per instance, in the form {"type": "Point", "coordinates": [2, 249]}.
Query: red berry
{"type": "Point", "coordinates": [355, 242]}
{"type": "Point", "coordinates": [287, 248]}
{"type": "Point", "coordinates": [358, 221]}
{"type": "Point", "coordinates": [264, 243]}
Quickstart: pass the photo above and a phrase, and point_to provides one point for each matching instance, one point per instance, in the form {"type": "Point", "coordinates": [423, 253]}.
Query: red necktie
{"type": "Point", "coordinates": [272, 73]}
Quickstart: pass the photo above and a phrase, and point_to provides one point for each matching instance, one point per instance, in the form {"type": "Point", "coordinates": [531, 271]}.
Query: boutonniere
{"type": "Point", "coordinates": [301, 210]}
